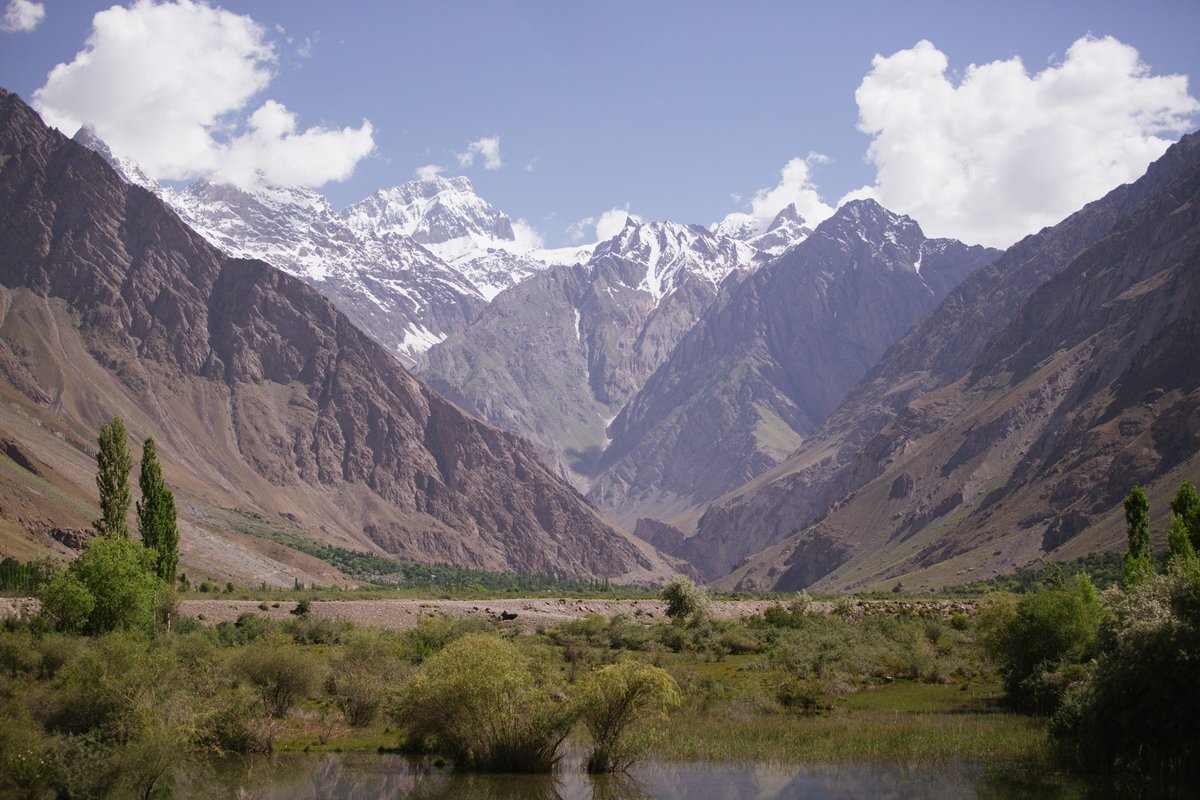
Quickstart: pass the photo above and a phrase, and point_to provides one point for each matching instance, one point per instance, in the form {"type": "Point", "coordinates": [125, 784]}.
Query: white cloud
{"type": "Point", "coordinates": [168, 85]}
{"type": "Point", "coordinates": [795, 186]}
{"type": "Point", "coordinates": [604, 227]}
{"type": "Point", "coordinates": [22, 16]}
{"type": "Point", "coordinates": [1001, 153]}
{"type": "Point", "coordinates": [527, 236]}
{"type": "Point", "coordinates": [429, 171]}
{"type": "Point", "coordinates": [488, 147]}
{"type": "Point", "coordinates": [611, 222]}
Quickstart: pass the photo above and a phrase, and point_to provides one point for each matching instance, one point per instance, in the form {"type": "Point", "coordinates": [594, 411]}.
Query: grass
{"type": "Point", "coordinates": [903, 721]}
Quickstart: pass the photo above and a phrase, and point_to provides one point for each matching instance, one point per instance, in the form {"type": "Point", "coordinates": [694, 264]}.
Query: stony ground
{"type": "Point", "coordinates": [526, 615]}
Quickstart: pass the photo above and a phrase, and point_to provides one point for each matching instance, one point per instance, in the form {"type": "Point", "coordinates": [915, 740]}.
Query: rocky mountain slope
{"type": "Point", "coordinates": [771, 357]}
{"type": "Point", "coordinates": [270, 408]}
{"type": "Point", "coordinates": [1008, 424]}
{"type": "Point", "coordinates": [445, 216]}
{"type": "Point", "coordinates": [408, 265]}
{"type": "Point", "coordinates": [556, 357]}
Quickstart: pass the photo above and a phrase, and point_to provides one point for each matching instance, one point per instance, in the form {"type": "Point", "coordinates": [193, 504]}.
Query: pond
{"type": "Point", "coordinates": [293, 776]}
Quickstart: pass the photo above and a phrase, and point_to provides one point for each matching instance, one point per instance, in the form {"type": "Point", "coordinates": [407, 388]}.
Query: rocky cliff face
{"type": "Point", "coordinates": [770, 358]}
{"type": "Point", "coordinates": [401, 294]}
{"type": "Point", "coordinates": [1007, 425]}
{"type": "Point", "coordinates": [261, 394]}
{"type": "Point", "coordinates": [557, 356]}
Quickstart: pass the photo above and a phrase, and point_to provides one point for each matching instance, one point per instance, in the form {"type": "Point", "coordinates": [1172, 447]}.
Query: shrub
{"type": "Point", "coordinates": [112, 689]}
{"type": "Point", "coordinates": [232, 724]}
{"type": "Point", "coordinates": [480, 702]}
{"type": "Point", "coordinates": [67, 603]}
{"type": "Point", "coordinates": [119, 574]}
{"type": "Point", "coordinates": [432, 634]}
{"type": "Point", "coordinates": [611, 701]}
{"type": "Point", "coordinates": [19, 654]}
{"type": "Point", "coordinates": [359, 679]}
{"type": "Point", "coordinates": [282, 673]}
{"type": "Point", "coordinates": [685, 600]}
{"type": "Point", "coordinates": [809, 696]}
{"type": "Point", "coordinates": [1136, 711]}
{"type": "Point", "coordinates": [1038, 639]}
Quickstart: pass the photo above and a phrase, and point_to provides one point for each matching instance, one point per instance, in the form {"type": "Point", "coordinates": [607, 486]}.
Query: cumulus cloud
{"type": "Point", "coordinates": [22, 16]}
{"type": "Point", "coordinates": [1002, 153]}
{"type": "Point", "coordinates": [169, 85]}
{"type": "Point", "coordinates": [527, 236]}
{"type": "Point", "coordinates": [604, 227]}
{"type": "Point", "coordinates": [488, 148]}
{"type": "Point", "coordinates": [795, 186]}
{"type": "Point", "coordinates": [429, 171]}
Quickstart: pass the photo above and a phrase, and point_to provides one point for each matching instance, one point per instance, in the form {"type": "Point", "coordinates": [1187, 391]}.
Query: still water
{"type": "Point", "coordinates": [369, 775]}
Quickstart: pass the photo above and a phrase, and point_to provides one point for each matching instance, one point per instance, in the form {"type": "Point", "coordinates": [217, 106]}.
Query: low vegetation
{"type": "Point", "coordinates": [107, 689]}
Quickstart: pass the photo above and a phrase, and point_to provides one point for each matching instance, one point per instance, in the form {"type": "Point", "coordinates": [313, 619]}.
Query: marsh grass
{"type": "Point", "coordinates": [898, 721]}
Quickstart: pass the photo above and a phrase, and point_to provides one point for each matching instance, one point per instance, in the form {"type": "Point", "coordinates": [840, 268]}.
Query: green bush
{"type": "Point", "coordinates": [1038, 640]}
{"type": "Point", "coordinates": [233, 724]}
{"type": "Point", "coordinates": [479, 701]}
{"type": "Point", "coordinates": [1137, 710]}
{"type": "Point", "coordinates": [360, 678]}
{"type": "Point", "coordinates": [616, 700]}
{"type": "Point", "coordinates": [119, 574]}
{"type": "Point", "coordinates": [282, 673]}
{"type": "Point", "coordinates": [685, 600]}
{"type": "Point", "coordinates": [432, 634]}
{"type": "Point", "coordinates": [67, 602]}
{"type": "Point", "coordinates": [112, 688]}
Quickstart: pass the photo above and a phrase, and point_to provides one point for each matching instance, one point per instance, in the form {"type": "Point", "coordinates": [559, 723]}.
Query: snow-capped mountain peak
{"type": "Point", "coordinates": [660, 255]}
{"type": "Point", "coordinates": [432, 211]}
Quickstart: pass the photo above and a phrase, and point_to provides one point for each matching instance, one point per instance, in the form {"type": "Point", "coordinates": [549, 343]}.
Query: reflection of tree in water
{"type": "Point", "coordinates": [617, 787]}
{"type": "Point", "coordinates": [465, 786]}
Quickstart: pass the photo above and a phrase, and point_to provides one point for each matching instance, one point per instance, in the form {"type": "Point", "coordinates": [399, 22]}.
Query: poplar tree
{"type": "Point", "coordinates": [156, 515]}
{"type": "Point", "coordinates": [1137, 518]}
{"type": "Point", "coordinates": [1179, 543]}
{"type": "Point", "coordinates": [1186, 506]}
{"type": "Point", "coordinates": [112, 479]}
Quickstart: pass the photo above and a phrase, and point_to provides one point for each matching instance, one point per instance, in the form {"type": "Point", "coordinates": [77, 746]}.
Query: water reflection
{"type": "Point", "coordinates": [368, 775]}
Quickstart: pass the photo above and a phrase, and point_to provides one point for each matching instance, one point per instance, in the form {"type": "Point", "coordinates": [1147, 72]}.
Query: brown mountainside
{"type": "Point", "coordinates": [770, 358]}
{"type": "Point", "coordinates": [1007, 426]}
{"type": "Point", "coordinates": [263, 397]}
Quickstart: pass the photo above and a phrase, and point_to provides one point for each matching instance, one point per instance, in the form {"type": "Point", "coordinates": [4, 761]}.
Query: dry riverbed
{"type": "Point", "coordinates": [526, 615]}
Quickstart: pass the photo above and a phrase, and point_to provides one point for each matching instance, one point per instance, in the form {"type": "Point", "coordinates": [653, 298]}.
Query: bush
{"type": "Point", "coordinates": [360, 677]}
{"type": "Point", "coordinates": [1037, 640]}
{"type": "Point", "coordinates": [232, 725]}
{"type": "Point", "coordinates": [479, 701]}
{"type": "Point", "coordinates": [809, 696]}
{"type": "Point", "coordinates": [432, 634]}
{"type": "Point", "coordinates": [612, 701]}
{"type": "Point", "coordinates": [67, 602]}
{"type": "Point", "coordinates": [1136, 711]}
{"type": "Point", "coordinates": [282, 673]}
{"type": "Point", "coordinates": [112, 688]}
{"type": "Point", "coordinates": [119, 574]}
{"type": "Point", "coordinates": [685, 600]}
{"type": "Point", "coordinates": [248, 627]}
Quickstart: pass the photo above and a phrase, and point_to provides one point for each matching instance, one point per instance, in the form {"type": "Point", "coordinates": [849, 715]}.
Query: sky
{"type": "Point", "coordinates": [984, 122]}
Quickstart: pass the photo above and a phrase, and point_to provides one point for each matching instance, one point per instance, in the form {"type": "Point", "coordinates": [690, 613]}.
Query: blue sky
{"type": "Point", "coordinates": [676, 110]}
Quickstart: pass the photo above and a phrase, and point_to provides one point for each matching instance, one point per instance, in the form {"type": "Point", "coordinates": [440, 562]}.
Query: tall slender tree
{"type": "Point", "coordinates": [156, 514]}
{"type": "Point", "coordinates": [1186, 505]}
{"type": "Point", "coordinates": [1137, 517]}
{"type": "Point", "coordinates": [1179, 543]}
{"type": "Point", "coordinates": [112, 479]}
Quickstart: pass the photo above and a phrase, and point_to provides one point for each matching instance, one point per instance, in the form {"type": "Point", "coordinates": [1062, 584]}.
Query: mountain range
{"type": "Point", "coordinates": [276, 418]}
{"type": "Point", "coordinates": [767, 403]}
